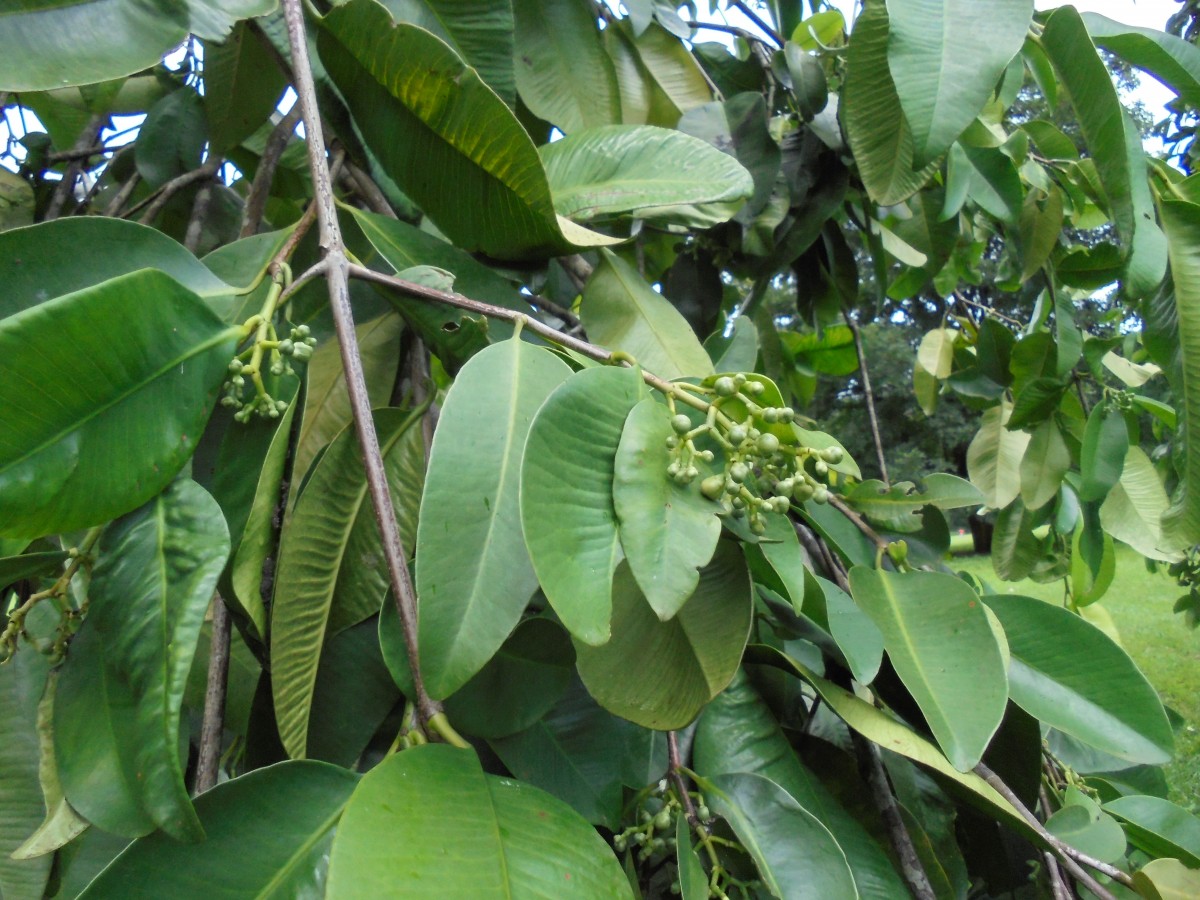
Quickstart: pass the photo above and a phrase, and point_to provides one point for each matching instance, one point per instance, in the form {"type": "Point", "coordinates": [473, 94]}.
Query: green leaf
{"type": "Point", "coordinates": [481, 33]}
{"type": "Point", "coordinates": [424, 808]}
{"type": "Point", "coordinates": [1073, 677]}
{"type": "Point", "coordinates": [1114, 144]}
{"type": "Point", "coordinates": [693, 881]}
{"type": "Point", "coordinates": [992, 180]}
{"type": "Point", "coordinates": [661, 674]}
{"type": "Point", "coordinates": [1044, 464]}
{"type": "Point", "coordinates": [172, 139]}
{"type": "Point", "coordinates": [1181, 220]}
{"type": "Point", "coordinates": [794, 853]}
{"type": "Point", "coordinates": [84, 41]}
{"type": "Point", "coordinates": [737, 733]}
{"type": "Point", "coordinates": [242, 85]}
{"type": "Point", "coordinates": [994, 457]}
{"type": "Point", "coordinates": [935, 354]}
{"type": "Point", "coordinates": [1083, 825]}
{"type": "Point", "coordinates": [898, 507]}
{"type": "Point", "coordinates": [1015, 550]}
{"type": "Point", "coordinates": [567, 510]}
{"type": "Point", "coordinates": [22, 681]}
{"type": "Point", "coordinates": [1134, 507]}
{"type": "Point", "coordinates": [331, 572]}
{"type": "Point", "coordinates": [31, 565]}
{"type": "Point", "coordinates": [879, 135]}
{"type": "Point", "coordinates": [563, 74]}
{"type": "Point", "coordinates": [1166, 879]}
{"type": "Point", "coordinates": [1040, 228]}
{"type": "Point", "coordinates": [117, 705]}
{"type": "Point", "coordinates": [643, 172]}
{"type": "Point", "coordinates": [946, 67]}
{"type": "Point", "coordinates": [17, 201]}
{"type": "Point", "coordinates": [473, 573]}
{"type": "Point", "coordinates": [935, 632]}
{"type": "Point", "coordinates": [620, 310]}
{"type": "Point", "coordinates": [659, 78]}
{"type": "Point", "coordinates": [1167, 57]}
{"type": "Point", "coordinates": [297, 802]}
{"type": "Point", "coordinates": [106, 394]}
{"type": "Point", "coordinates": [1159, 827]}
{"type": "Point", "coordinates": [667, 530]}
{"type": "Point", "coordinates": [419, 108]}
{"type": "Point", "coordinates": [1105, 443]}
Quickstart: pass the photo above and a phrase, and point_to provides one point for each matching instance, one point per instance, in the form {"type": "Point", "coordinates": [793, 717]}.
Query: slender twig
{"type": "Point", "coordinates": [264, 175]}
{"type": "Point", "coordinates": [77, 153]}
{"type": "Point", "coordinates": [858, 521]}
{"type": "Point", "coordinates": [1070, 857]}
{"type": "Point", "coordinates": [195, 229]}
{"type": "Point", "coordinates": [1057, 886]}
{"type": "Point", "coordinates": [871, 766]}
{"type": "Point", "coordinates": [156, 201]}
{"type": "Point", "coordinates": [727, 29]}
{"type": "Point", "coordinates": [577, 268]}
{"type": "Point", "coordinates": [369, 191]}
{"type": "Point", "coordinates": [66, 187]}
{"type": "Point", "coordinates": [122, 196]}
{"type": "Point", "coordinates": [337, 268]}
{"type": "Point", "coordinates": [869, 395]}
{"type": "Point", "coordinates": [757, 20]}
{"type": "Point", "coordinates": [212, 728]}
{"type": "Point", "coordinates": [561, 312]}
{"type": "Point", "coordinates": [675, 772]}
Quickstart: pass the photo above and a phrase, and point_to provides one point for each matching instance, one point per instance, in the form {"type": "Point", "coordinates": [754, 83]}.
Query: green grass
{"type": "Point", "coordinates": [1157, 639]}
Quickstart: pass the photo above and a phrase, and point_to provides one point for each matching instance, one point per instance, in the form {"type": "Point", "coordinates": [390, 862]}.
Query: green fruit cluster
{"type": "Point", "coordinates": [248, 364]}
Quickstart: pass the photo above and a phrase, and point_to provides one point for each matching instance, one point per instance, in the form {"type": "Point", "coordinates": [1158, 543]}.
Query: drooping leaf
{"type": "Point", "coordinates": [1015, 549]}
{"type": "Point", "coordinates": [242, 85]}
{"type": "Point", "coordinates": [658, 77]}
{"type": "Point", "coordinates": [660, 674]}
{"type": "Point", "coordinates": [1102, 457]}
{"type": "Point", "coordinates": [106, 392]}
{"type": "Point", "coordinates": [693, 882]}
{"type": "Point", "coordinates": [1159, 827]}
{"type": "Point", "coordinates": [331, 571]}
{"type": "Point", "coordinates": [796, 856]}
{"type": "Point", "coordinates": [994, 457]}
{"type": "Point", "coordinates": [419, 108]}
{"type": "Point", "coordinates": [117, 704]}
{"type": "Point", "coordinates": [506, 838]}
{"type": "Point", "coordinates": [567, 512]}
{"type": "Point", "coordinates": [945, 66]}
{"type": "Point", "coordinates": [562, 71]}
{"type": "Point", "coordinates": [898, 507]}
{"type": "Point", "coordinates": [297, 802]}
{"type": "Point", "coordinates": [621, 311]}
{"type": "Point", "coordinates": [1134, 507]}
{"type": "Point", "coordinates": [1167, 57]}
{"type": "Point", "coordinates": [171, 140]}
{"type": "Point", "coordinates": [935, 353]}
{"type": "Point", "coordinates": [473, 575]}
{"type": "Point", "coordinates": [1166, 879]}
{"type": "Point", "coordinates": [1092, 690]}
{"type": "Point", "coordinates": [1044, 464]}
{"type": "Point", "coordinates": [937, 636]}
{"type": "Point", "coordinates": [31, 565]}
{"type": "Point", "coordinates": [668, 530]}
{"type": "Point", "coordinates": [643, 172]}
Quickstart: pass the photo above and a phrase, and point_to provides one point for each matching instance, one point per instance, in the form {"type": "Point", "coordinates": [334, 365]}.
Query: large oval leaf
{"type": "Point", "coordinates": [796, 856]}
{"type": "Point", "coordinates": [647, 173]}
{"type": "Point", "coordinates": [994, 457]}
{"type": "Point", "coordinates": [622, 312]}
{"type": "Point", "coordinates": [117, 706]}
{"type": "Point", "coordinates": [1134, 508]}
{"type": "Point", "coordinates": [297, 802]}
{"type": "Point", "coordinates": [661, 674]}
{"type": "Point", "coordinates": [1071, 675]}
{"type": "Point", "coordinates": [668, 531]}
{"type": "Point", "coordinates": [420, 109]}
{"type": "Point", "coordinates": [474, 577]}
{"type": "Point", "coordinates": [936, 633]}
{"type": "Point", "coordinates": [1159, 827]}
{"type": "Point", "coordinates": [331, 569]}
{"type": "Point", "coordinates": [1167, 57]}
{"type": "Point", "coordinates": [946, 67]}
{"type": "Point", "coordinates": [429, 822]}
{"type": "Point", "coordinates": [567, 510]}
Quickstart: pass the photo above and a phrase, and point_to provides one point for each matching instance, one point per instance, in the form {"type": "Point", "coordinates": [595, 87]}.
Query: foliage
{"type": "Point", "coordinates": [548, 520]}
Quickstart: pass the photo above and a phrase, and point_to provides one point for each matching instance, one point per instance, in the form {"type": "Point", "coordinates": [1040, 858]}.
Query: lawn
{"type": "Point", "coordinates": [1139, 603]}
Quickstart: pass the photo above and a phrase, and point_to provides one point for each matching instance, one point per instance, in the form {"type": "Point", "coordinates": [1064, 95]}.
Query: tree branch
{"type": "Point", "coordinates": [195, 229]}
{"type": "Point", "coordinates": [868, 394]}
{"type": "Point", "coordinates": [213, 727]}
{"type": "Point", "coordinates": [66, 187]}
{"type": "Point", "coordinates": [675, 771]}
{"type": "Point", "coordinates": [337, 268]}
{"type": "Point", "coordinates": [858, 521]}
{"type": "Point", "coordinates": [264, 175]}
{"type": "Point", "coordinates": [156, 201]}
{"type": "Point", "coordinates": [122, 196]}
{"type": "Point", "coordinates": [757, 20]}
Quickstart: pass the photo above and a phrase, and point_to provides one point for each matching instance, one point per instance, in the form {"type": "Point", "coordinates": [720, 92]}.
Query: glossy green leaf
{"type": "Point", "coordinates": [661, 674]}
{"type": "Point", "coordinates": [1166, 879]}
{"type": "Point", "coordinates": [172, 139]}
{"type": "Point", "coordinates": [1133, 510]}
{"type": "Point", "coordinates": [117, 705]}
{"type": "Point", "coordinates": [1159, 827]}
{"type": "Point", "coordinates": [1015, 549]}
{"type": "Point", "coordinates": [693, 881]}
{"type": "Point", "coordinates": [992, 181]}
{"type": "Point", "coordinates": [17, 201]}
{"type": "Point", "coordinates": [935, 353]}
{"type": "Point", "coordinates": [473, 574]}
{"type": "Point", "coordinates": [1167, 57]}
{"type": "Point", "coordinates": [242, 86]}
{"type": "Point", "coordinates": [898, 507]}
{"type": "Point", "coordinates": [1041, 226]}
{"type": "Point", "coordinates": [331, 571]}
{"type": "Point", "coordinates": [994, 457]}
{"type": "Point", "coordinates": [668, 530]}
{"type": "Point", "coordinates": [622, 312]}
{"type": "Point", "coordinates": [1102, 458]}
{"type": "Point", "coordinates": [643, 172]}
{"type": "Point", "coordinates": [937, 636]}
{"type": "Point", "coordinates": [737, 733]}
{"type": "Point", "coordinates": [665, 81]}
{"type": "Point", "coordinates": [429, 821]}
{"type": "Point", "coordinates": [945, 66]}
{"type": "Point", "coordinates": [419, 107]}
{"type": "Point", "coordinates": [567, 512]}
{"type": "Point", "coordinates": [1181, 220]}
{"type": "Point", "coordinates": [1114, 144]}
{"type": "Point", "coordinates": [563, 74]}
{"type": "Point", "coordinates": [1093, 691]}
{"type": "Point", "coordinates": [1083, 825]}
{"type": "Point", "coordinates": [796, 856]}
{"type": "Point", "coordinates": [84, 41]}
{"type": "Point", "coordinates": [878, 133]}
{"type": "Point", "coordinates": [31, 565]}
{"type": "Point", "coordinates": [1044, 464]}
{"type": "Point", "coordinates": [298, 803]}
{"type": "Point", "coordinates": [106, 392]}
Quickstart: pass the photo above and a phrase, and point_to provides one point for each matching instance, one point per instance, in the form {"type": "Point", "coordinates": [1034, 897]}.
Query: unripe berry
{"type": "Point", "coordinates": [821, 467]}
{"type": "Point", "coordinates": [738, 471]}
{"type": "Point", "coordinates": [767, 443]}
{"type": "Point", "coordinates": [725, 386]}
{"type": "Point", "coordinates": [754, 388]}
{"type": "Point", "coordinates": [833, 455]}
{"type": "Point", "coordinates": [286, 347]}
{"type": "Point", "coordinates": [712, 487]}
{"type": "Point", "coordinates": [739, 379]}
{"type": "Point", "coordinates": [681, 424]}
{"type": "Point", "coordinates": [821, 494]}
{"type": "Point", "coordinates": [737, 434]}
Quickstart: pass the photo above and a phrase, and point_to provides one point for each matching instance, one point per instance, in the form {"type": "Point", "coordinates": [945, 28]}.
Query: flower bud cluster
{"type": "Point", "coordinates": [297, 346]}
